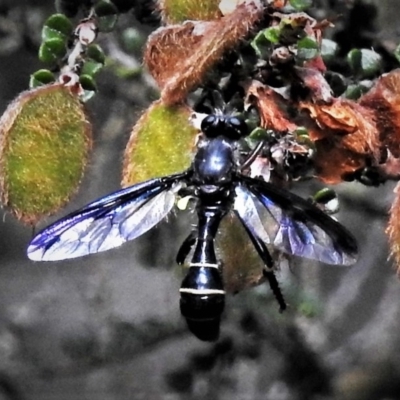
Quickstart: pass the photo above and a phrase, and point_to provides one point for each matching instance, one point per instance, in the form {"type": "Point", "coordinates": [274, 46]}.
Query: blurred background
{"type": "Point", "coordinates": [108, 326]}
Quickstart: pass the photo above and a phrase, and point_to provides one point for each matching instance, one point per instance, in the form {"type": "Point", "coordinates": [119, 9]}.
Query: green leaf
{"type": "Point", "coordinates": [300, 5]}
{"type": "Point", "coordinates": [107, 15]}
{"type": "Point", "coordinates": [87, 82]}
{"type": "Point", "coordinates": [329, 50]}
{"type": "Point", "coordinates": [89, 86]}
{"type": "Point", "coordinates": [272, 34]}
{"type": "Point", "coordinates": [371, 63]}
{"type": "Point", "coordinates": [261, 45]}
{"type": "Point", "coordinates": [57, 26]}
{"type": "Point", "coordinates": [256, 136]}
{"type": "Point", "coordinates": [308, 309]}
{"type": "Point", "coordinates": [125, 72]}
{"type": "Point", "coordinates": [355, 91]}
{"type": "Point", "coordinates": [52, 50]}
{"type": "Point", "coordinates": [365, 63]}
{"type": "Point", "coordinates": [95, 53]}
{"type": "Point", "coordinates": [259, 134]}
{"type": "Point", "coordinates": [132, 40]}
{"type": "Point", "coordinates": [397, 53]}
{"type": "Point", "coordinates": [303, 139]}
{"type": "Point", "coordinates": [94, 60]}
{"type": "Point", "coordinates": [354, 60]}
{"type": "Point", "coordinates": [91, 68]}
{"type": "Point", "coordinates": [324, 195]}
{"type": "Point", "coordinates": [328, 199]}
{"type": "Point", "coordinates": [41, 77]}
{"type": "Point", "coordinates": [301, 132]}
{"type": "Point", "coordinates": [307, 48]}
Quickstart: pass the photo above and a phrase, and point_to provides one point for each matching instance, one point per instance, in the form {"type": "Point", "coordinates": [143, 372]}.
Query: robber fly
{"type": "Point", "coordinates": [269, 215]}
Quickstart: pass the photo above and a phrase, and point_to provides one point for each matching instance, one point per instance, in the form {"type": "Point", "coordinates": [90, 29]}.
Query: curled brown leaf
{"type": "Point", "coordinates": [180, 56]}
{"type": "Point", "coordinates": [272, 107]}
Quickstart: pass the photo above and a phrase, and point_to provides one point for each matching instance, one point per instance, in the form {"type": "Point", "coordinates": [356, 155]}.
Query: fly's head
{"type": "Point", "coordinates": [229, 127]}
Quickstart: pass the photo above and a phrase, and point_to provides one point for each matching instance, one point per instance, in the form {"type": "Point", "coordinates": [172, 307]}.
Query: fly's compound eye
{"type": "Point", "coordinates": [210, 126]}
{"type": "Point", "coordinates": [235, 128]}
{"type": "Point", "coordinates": [232, 128]}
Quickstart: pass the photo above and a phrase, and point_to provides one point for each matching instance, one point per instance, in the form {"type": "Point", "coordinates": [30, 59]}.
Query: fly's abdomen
{"type": "Point", "coordinates": [202, 300]}
{"type": "Point", "coordinates": [202, 290]}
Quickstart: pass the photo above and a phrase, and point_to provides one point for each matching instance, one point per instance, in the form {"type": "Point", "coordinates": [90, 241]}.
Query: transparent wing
{"type": "Point", "coordinates": [292, 224]}
{"type": "Point", "coordinates": [108, 222]}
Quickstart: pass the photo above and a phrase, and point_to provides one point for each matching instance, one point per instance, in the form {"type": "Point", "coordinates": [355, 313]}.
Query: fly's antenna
{"type": "Point", "coordinates": [235, 105]}
{"type": "Point", "coordinates": [276, 290]}
{"type": "Point", "coordinates": [210, 102]}
{"type": "Point", "coordinates": [215, 102]}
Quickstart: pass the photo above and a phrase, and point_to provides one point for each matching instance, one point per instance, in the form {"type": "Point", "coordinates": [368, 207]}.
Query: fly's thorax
{"type": "Point", "coordinates": [214, 163]}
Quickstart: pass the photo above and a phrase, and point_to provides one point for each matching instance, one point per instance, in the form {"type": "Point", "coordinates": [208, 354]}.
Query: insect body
{"type": "Point", "coordinates": [270, 215]}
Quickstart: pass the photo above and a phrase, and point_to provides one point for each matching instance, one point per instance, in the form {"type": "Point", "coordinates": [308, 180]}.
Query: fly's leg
{"type": "Point", "coordinates": [268, 271]}
{"type": "Point", "coordinates": [276, 290]}
{"type": "Point", "coordinates": [252, 156]}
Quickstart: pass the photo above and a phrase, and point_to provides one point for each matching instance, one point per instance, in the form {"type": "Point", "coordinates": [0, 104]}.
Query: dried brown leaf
{"type": "Point", "coordinates": [349, 138]}
{"type": "Point", "coordinates": [179, 57]}
{"type": "Point", "coordinates": [169, 47]}
{"type": "Point", "coordinates": [393, 228]}
{"type": "Point", "coordinates": [384, 100]}
{"type": "Point", "coordinates": [271, 106]}
{"type": "Point", "coordinates": [314, 81]}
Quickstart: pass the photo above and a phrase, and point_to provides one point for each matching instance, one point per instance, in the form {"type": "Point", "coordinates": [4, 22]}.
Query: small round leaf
{"type": "Point", "coordinates": [107, 15]}
{"type": "Point", "coordinates": [371, 63]}
{"type": "Point", "coordinates": [57, 26]}
{"type": "Point", "coordinates": [397, 53]}
{"type": "Point", "coordinates": [89, 86]}
{"type": "Point", "coordinates": [300, 5]}
{"type": "Point", "coordinates": [41, 77]}
{"type": "Point", "coordinates": [95, 53]}
{"type": "Point", "coordinates": [262, 45]}
{"type": "Point", "coordinates": [355, 91]}
{"type": "Point", "coordinates": [132, 39]}
{"type": "Point", "coordinates": [52, 50]}
{"type": "Point", "coordinates": [329, 50]}
{"type": "Point", "coordinates": [91, 68]}
{"type": "Point", "coordinates": [365, 63]}
{"type": "Point", "coordinates": [272, 34]}
{"type": "Point", "coordinates": [307, 48]}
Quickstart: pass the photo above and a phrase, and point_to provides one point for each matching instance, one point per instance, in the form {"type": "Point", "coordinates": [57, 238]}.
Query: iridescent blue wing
{"type": "Point", "coordinates": [292, 224]}
{"type": "Point", "coordinates": [108, 222]}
